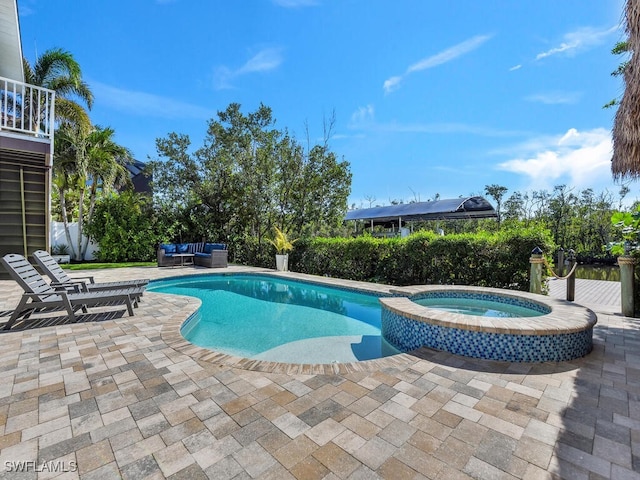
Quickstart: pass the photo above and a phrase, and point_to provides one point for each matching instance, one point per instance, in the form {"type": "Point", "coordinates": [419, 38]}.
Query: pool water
{"type": "Point", "coordinates": [268, 318]}
{"type": "Point", "coordinates": [478, 307]}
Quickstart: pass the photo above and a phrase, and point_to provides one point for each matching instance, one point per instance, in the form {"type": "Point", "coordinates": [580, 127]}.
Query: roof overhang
{"type": "Point", "coordinates": [455, 208]}
{"type": "Point", "coordinates": [11, 65]}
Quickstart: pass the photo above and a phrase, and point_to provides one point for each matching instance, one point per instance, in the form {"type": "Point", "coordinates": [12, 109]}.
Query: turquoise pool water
{"type": "Point", "coordinates": [478, 307]}
{"type": "Point", "coordinates": [268, 318]}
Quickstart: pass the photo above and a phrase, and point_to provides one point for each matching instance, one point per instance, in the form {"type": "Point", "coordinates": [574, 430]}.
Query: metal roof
{"type": "Point", "coordinates": [469, 207]}
{"type": "Point", "coordinates": [11, 66]}
{"type": "Point", "coordinates": [136, 167]}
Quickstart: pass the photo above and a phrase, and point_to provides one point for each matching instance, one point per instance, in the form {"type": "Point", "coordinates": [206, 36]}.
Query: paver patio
{"type": "Point", "coordinates": [112, 398]}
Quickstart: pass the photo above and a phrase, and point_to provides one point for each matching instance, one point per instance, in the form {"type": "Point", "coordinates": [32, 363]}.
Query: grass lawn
{"type": "Point", "coordinates": [99, 266]}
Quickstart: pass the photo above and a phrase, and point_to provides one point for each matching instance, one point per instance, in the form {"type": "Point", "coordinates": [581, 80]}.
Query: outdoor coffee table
{"type": "Point", "coordinates": [182, 258]}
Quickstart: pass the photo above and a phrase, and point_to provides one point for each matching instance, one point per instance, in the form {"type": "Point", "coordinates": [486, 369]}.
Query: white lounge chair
{"type": "Point", "coordinates": [39, 295]}
{"type": "Point", "coordinates": [86, 284]}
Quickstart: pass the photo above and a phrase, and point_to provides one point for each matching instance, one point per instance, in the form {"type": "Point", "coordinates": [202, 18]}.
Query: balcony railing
{"type": "Point", "coordinates": [26, 109]}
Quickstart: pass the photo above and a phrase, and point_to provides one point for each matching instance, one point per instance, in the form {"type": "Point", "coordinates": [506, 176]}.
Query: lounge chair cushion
{"type": "Point", "coordinates": [168, 248]}
{"type": "Point", "coordinates": [182, 248]}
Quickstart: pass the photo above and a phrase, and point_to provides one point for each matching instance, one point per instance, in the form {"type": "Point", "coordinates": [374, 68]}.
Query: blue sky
{"type": "Point", "coordinates": [429, 97]}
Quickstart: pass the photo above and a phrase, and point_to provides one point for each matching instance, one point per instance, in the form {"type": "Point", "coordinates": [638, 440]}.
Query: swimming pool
{"type": "Point", "coordinates": [264, 317]}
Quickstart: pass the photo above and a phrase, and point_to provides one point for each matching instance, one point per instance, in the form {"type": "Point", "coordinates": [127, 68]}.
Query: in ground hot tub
{"type": "Point", "coordinates": [553, 330]}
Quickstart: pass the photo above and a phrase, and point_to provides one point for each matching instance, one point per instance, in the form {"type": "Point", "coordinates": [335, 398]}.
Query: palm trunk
{"type": "Point", "coordinates": [92, 204]}
{"type": "Point", "coordinates": [65, 221]}
{"type": "Point", "coordinates": [80, 257]}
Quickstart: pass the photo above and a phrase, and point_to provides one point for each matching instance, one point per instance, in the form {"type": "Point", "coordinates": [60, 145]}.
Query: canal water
{"type": "Point", "coordinates": [598, 272]}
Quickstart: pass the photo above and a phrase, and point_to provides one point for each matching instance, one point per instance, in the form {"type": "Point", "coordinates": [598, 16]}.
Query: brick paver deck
{"type": "Point", "coordinates": [108, 398]}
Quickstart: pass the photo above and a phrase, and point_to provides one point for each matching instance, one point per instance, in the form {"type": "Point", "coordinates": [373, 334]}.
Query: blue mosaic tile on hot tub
{"type": "Point", "coordinates": [407, 334]}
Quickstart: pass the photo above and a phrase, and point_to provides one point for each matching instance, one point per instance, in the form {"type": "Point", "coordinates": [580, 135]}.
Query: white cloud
{"type": "Point", "coordinates": [581, 39]}
{"type": "Point", "coordinates": [581, 159]}
{"type": "Point", "coordinates": [146, 104]}
{"type": "Point", "coordinates": [554, 98]}
{"type": "Point", "coordinates": [449, 54]}
{"type": "Point", "coordinates": [391, 84]}
{"type": "Point", "coordinates": [515, 67]}
{"type": "Point", "coordinates": [263, 61]}
{"type": "Point", "coordinates": [362, 116]}
{"type": "Point", "coordinates": [342, 136]}
{"type": "Point", "coordinates": [440, 58]}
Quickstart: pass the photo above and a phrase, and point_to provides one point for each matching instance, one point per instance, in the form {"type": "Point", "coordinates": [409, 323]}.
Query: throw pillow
{"type": "Point", "coordinates": [168, 248]}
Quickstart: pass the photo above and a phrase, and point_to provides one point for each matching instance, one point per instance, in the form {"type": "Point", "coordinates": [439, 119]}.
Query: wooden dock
{"type": "Point", "coordinates": [598, 295]}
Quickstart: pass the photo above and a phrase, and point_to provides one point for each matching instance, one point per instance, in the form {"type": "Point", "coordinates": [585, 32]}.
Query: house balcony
{"type": "Point", "coordinates": [26, 111]}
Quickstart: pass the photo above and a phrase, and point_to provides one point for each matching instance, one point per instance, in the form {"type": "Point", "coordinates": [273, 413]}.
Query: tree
{"type": "Point", "coordinates": [561, 210]}
{"type": "Point", "coordinates": [106, 170]}
{"type": "Point", "coordinates": [57, 70]}
{"type": "Point", "coordinates": [371, 200]}
{"type": "Point", "coordinates": [496, 192]}
{"type": "Point", "coordinates": [249, 177]}
{"type": "Point", "coordinates": [87, 162]}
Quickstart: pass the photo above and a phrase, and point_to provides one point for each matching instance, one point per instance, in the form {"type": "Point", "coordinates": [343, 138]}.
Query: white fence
{"type": "Point", "coordinates": [58, 237]}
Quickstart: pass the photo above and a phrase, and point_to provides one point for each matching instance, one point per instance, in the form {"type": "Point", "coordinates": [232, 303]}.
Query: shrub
{"type": "Point", "coordinates": [126, 228]}
{"type": "Point", "coordinates": [498, 259]}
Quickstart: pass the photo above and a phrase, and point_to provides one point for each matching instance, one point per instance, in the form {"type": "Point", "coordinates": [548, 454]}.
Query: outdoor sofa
{"type": "Point", "coordinates": [205, 254]}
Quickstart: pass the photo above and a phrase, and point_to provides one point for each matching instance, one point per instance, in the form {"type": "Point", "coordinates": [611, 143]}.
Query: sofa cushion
{"type": "Point", "coordinates": [200, 254]}
{"type": "Point", "coordinates": [209, 247]}
{"type": "Point", "coordinates": [182, 248]}
{"type": "Point", "coordinates": [168, 248]}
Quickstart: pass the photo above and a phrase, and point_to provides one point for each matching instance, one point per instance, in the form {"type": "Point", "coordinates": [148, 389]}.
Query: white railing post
{"type": "Point", "coordinates": [26, 108]}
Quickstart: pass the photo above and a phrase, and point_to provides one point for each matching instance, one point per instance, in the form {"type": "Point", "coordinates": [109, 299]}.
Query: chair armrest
{"type": "Point", "coordinates": [73, 287]}
{"type": "Point", "coordinates": [88, 277]}
{"type": "Point", "coordinates": [61, 293]}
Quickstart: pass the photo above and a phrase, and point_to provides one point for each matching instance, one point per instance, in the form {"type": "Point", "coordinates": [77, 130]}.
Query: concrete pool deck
{"type": "Point", "coordinates": [111, 398]}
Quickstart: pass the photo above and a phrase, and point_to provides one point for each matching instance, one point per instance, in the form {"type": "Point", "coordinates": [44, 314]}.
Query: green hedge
{"type": "Point", "coordinates": [485, 259]}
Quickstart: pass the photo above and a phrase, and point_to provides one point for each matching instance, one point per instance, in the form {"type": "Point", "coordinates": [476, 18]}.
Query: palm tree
{"type": "Point", "coordinates": [65, 177]}
{"type": "Point", "coordinates": [625, 163]}
{"type": "Point", "coordinates": [57, 70]}
{"type": "Point", "coordinates": [106, 168]}
{"type": "Point", "coordinates": [87, 162]}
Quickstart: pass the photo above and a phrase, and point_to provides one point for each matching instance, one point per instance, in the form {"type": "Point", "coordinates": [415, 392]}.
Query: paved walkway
{"type": "Point", "coordinates": [109, 398]}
